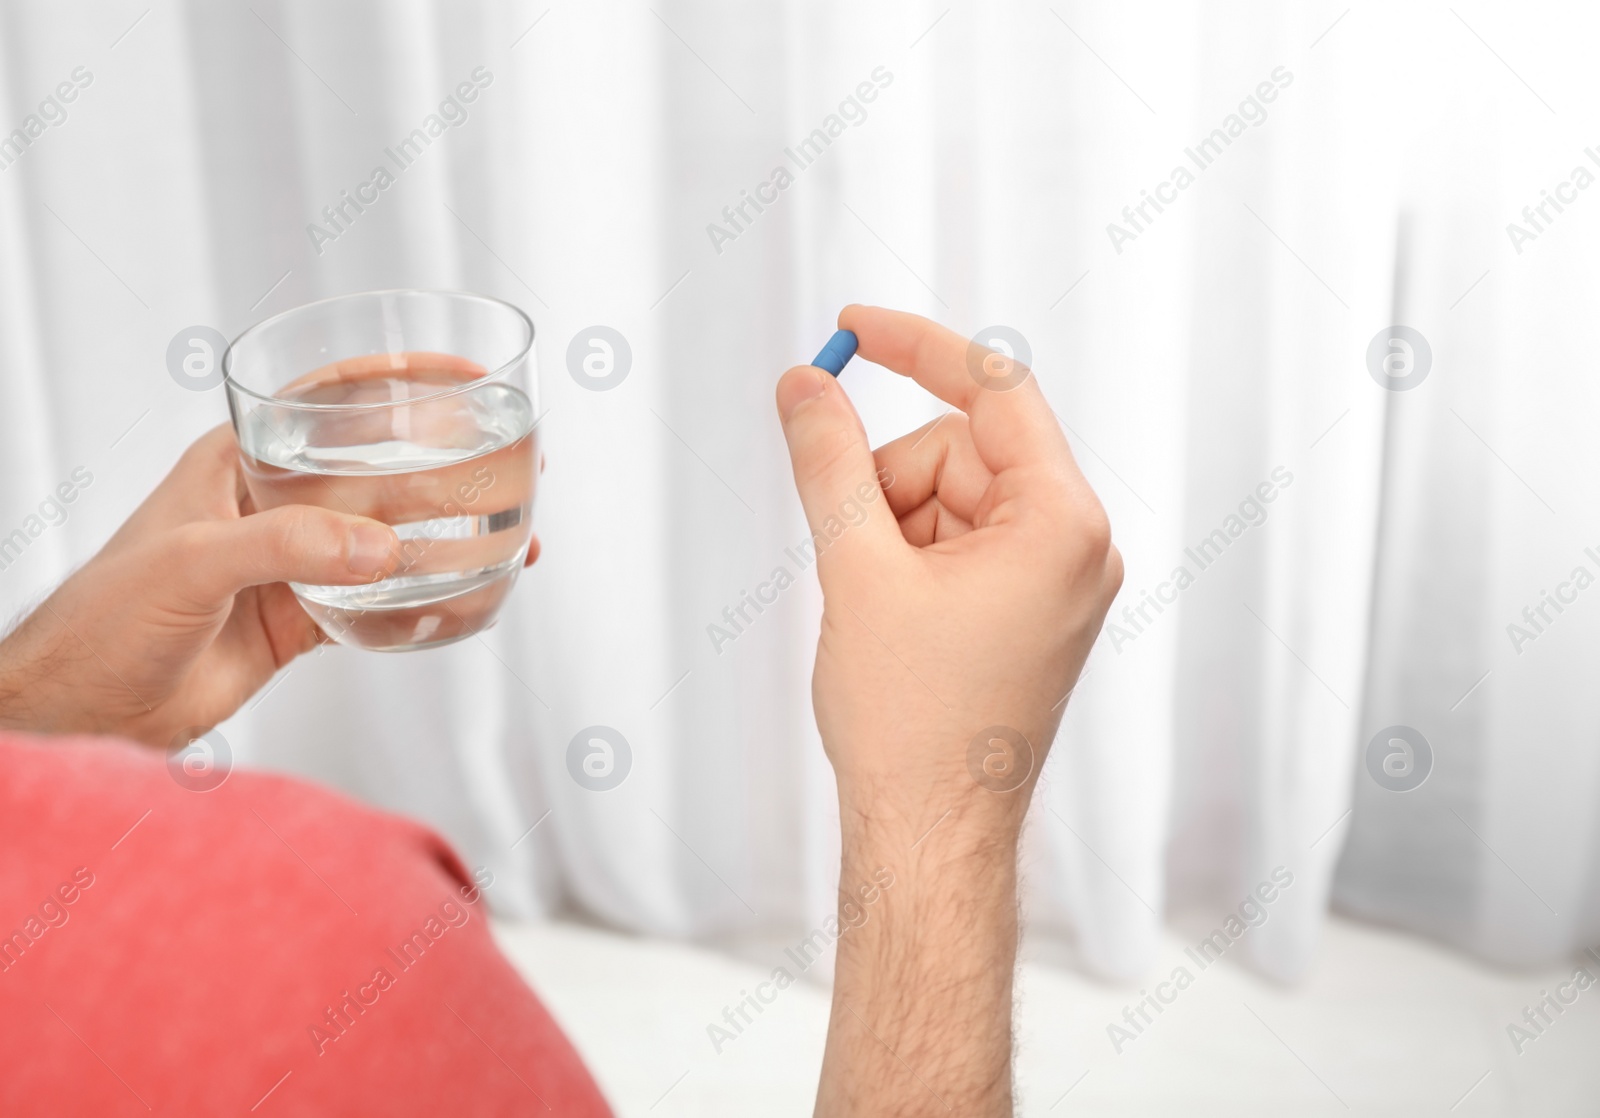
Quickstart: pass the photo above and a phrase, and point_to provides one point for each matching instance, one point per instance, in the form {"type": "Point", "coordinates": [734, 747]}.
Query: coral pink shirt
{"type": "Point", "coordinates": [264, 948]}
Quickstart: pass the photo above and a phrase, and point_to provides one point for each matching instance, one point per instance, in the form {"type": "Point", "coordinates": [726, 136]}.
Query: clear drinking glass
{"type": "Point", "coordinates": [415, 408]}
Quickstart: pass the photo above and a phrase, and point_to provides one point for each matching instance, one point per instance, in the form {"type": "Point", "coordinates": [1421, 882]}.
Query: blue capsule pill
{"type": "Point", "coordinates": [837, 353]}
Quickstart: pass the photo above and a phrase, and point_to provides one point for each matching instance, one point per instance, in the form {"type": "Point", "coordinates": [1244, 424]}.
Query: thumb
{"type": "Point", "coordinates": [833, 466]}
{"type": "Point", "coordinates": [215, 559]}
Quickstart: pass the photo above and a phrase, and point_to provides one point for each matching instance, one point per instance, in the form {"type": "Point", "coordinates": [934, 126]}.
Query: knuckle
{"type": "Point", "coordinates": [213, 449]}
{"type": "Point", "coordinates": [828, 454]}
{"type": "Point", "coordinates": [1090, 554]}
{"type": "Point", "coordinates": [186, 546]}
{"type": "Point", "coordinates": [1094, 533]}
{"type": "Point", "coordinates": [300, 532]}
{"type": "Point", "coordinates": [1113, 574]}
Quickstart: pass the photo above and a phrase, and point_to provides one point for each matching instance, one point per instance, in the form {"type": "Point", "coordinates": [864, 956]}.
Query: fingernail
{"type": "Point", "coordinates": [369, 549]}
{"type": "Point", "coordinates": [804, 383]}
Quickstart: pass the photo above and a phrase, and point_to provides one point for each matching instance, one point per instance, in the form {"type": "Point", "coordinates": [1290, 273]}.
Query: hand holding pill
{"type": "Point", "coordinates": [966, 569]}
{"type": "Point", "coordinates": [972, 591]}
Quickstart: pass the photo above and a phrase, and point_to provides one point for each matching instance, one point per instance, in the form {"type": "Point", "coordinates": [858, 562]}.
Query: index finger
{"type": "Point", "coordinates": [1010, 427]}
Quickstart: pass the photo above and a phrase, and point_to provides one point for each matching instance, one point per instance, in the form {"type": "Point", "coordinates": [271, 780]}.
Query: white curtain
{"type": "Point", "coordinates": [1489, 503]}
{"type": "Point", "coordinates": [1219, 349]}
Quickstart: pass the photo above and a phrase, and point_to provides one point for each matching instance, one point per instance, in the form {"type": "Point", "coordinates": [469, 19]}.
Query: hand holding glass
{"type": "Point", "coordinates": [415, 408]}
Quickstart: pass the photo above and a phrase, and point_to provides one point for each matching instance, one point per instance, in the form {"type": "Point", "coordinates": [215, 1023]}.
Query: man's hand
{"type": "Point", "coordinates": [957, 615]}
{"type": "Point", "coordinates": [184, 614]}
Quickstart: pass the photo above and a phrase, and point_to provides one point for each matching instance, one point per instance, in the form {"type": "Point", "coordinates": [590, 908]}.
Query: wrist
{"type": "Point", "coordinates": [903, 780]}
{"type": "Point", "coordinates": [949, 872]}
{"type": "Point", "coordinates": [970, 820]}
{"type": "Point", "coordinates": [35, 659]}
{"type": "Point", "coordinates": [19, 684]}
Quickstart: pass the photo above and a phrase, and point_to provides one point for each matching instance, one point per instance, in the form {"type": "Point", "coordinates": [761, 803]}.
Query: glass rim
{"type": "Point", "coordinates": [495, 374]}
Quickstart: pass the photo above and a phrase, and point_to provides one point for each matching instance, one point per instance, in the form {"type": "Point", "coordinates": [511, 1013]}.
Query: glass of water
{"type": "Point", "coordinates": [416, 408]}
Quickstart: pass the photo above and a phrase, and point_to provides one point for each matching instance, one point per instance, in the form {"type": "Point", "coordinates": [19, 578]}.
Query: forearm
{"type": "Point", "coordinates": [974, 605]}
{"type": "Point", "coordinates": [921, 1020]}
{"type": "Point", "coordinates": [52, 683]}
{"type": "Point", "coordinates": [26, 699]}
